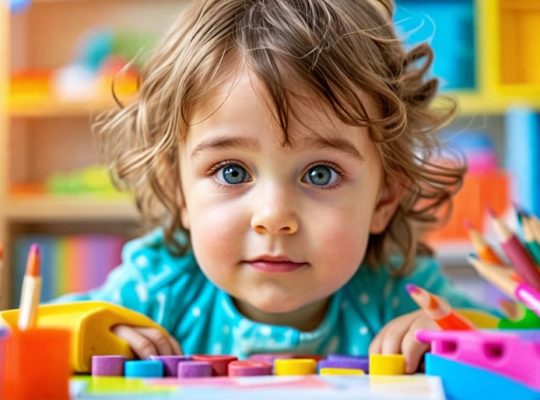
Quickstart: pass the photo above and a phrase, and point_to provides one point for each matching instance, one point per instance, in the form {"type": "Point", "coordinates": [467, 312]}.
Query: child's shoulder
{"type": "Point", "coordinates": [150, 255]}
{"type": "Point", "coordinates": [382, 278]}
{"type": "Point", "coordinates": [422, 266]}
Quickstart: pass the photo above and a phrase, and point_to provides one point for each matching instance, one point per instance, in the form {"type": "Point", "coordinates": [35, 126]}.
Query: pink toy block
{"type": "Point", "coordinates": [220, 363]}
{"type": "Point", "coordinates": [515, 354]}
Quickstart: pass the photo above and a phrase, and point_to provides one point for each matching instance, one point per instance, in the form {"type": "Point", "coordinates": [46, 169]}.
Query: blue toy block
{"type": "Point", "coordinates": [143, 369]}
{"type": "Point", "coordinates": [466, 382]}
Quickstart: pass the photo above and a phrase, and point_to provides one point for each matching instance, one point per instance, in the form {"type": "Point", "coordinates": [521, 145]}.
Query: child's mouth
{"type": "Point", "coordinates": [275, 264]}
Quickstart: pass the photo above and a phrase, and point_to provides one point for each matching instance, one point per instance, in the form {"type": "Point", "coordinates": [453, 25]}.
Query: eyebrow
{"type": "Point", "coordinates": [226, 143]}
{"type": "Point", "coordinates": [339, 144]}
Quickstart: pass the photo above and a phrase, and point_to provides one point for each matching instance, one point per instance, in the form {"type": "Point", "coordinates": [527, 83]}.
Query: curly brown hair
{"type": "Point", "coordinates": [334, 48]}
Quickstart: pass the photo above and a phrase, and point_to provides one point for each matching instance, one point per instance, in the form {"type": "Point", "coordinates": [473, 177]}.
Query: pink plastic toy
{"type": "Point", "coordinates": [515, 354]}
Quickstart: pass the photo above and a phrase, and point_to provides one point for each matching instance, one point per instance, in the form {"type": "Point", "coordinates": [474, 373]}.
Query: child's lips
{"type": "Point", "coordinates": [276, 265]}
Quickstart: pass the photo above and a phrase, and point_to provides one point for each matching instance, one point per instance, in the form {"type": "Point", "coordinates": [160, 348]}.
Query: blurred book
{"type": "Point", "coordinates": [70, 263]}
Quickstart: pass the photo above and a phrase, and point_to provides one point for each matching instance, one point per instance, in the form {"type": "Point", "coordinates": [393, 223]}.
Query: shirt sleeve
{"type": "Point", "coordinates": [150, 280]}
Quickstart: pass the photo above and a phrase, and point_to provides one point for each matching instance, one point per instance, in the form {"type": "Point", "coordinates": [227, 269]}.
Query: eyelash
{"type": "Point", "coordinates": [339, 171]}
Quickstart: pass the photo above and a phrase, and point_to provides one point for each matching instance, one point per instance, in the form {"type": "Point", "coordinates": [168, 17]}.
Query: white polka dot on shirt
{"type": "Point", "coordinates": [364, 298]}
{"type": "Point", "coordinates": [266, 331]}
{"type": "Point", "coordinates": [226, 329]}
{"type": "Point", "coordinates": [334, 344]}
{"type": "Point", "coordinates": [142, 261]}
{"type": "Point", "coordinates": [217, 348]}
{"type": "Point", "coordinates": [196, 311]}
{"type": "Point", "coordinates": [395, 302]}
{"type": "Point", "coordinates": [363, 330]}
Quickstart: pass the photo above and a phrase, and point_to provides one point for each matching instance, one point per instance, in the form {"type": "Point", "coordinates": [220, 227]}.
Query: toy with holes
{"type": "Point", "coordinates": [485, 364]}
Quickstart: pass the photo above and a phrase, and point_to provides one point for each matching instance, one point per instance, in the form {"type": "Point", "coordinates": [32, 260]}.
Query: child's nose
{"type": "Point", "coordinates": [274, 214]}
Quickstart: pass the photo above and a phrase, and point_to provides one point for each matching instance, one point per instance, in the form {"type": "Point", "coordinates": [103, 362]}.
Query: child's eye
{"type": "Point", "coordinates": [322, 175]}
{"type": "Point", "coordinates": [231, 174]}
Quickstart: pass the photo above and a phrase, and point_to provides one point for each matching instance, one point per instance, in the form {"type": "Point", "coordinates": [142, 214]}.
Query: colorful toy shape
{"type": "Point", "coordinates": [386, 364]}
{"type": "Point", "coordinates": [108, 365]}
{"type": "Point", "coordinates": [514, 354]}
{"type": "Point", "coordinates": [468, 382]}
{"type": "Point", "coordinates": [295, 366]}
{"type": "Point", "coordinates": [90, 324]}
{"type": "Point", "coordinates": [249, 368]}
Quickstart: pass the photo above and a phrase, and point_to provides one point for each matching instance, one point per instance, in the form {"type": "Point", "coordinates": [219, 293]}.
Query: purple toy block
{"type": "Point", "coordinates": [345, 361]}
{"type": "Point", "coordinates": [108, 365]}
{"type": "Point", "coordinates": [170, 363]}
{"type": "Point", "coordinates": [194, 369]}
{"type": "Point", "coordinates": [349, 364]}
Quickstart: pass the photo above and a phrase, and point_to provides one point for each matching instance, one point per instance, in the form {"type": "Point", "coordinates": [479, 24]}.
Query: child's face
{"type": "Point", "coordinates": [279, 228]}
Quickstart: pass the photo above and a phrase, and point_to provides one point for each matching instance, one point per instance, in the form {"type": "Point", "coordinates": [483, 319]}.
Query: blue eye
{"type": "Point", "coordinates": [232, 174]}
{"type": "Point", "coordinates": [322, 175]}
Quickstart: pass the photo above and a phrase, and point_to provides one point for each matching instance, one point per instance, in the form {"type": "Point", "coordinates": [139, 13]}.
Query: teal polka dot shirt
{"type": "Point", "coordinates": [174, 292]}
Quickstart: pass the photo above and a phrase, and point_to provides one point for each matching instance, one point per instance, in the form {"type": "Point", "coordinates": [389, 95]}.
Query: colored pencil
{"type": "Point", "coordinates": [31, 289]}
{"type": "Point", "coordinates": [438, 309]}
{"type": "Point", "coordinates": [504, 280]}
{"type": "Point", "coordinates": [517, 254]}
{"type": "Point", "coordinates": [535, 227]}
{"type": "Point", "coordinates": [530, 242]}
{"type": "Point", "coordinates": [481, 246]}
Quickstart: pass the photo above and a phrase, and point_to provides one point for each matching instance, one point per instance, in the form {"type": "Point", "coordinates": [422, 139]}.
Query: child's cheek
{"type": "Point", "coordinates": [346, 241]}
{"type": "Point", "coordinates": [215, 237]}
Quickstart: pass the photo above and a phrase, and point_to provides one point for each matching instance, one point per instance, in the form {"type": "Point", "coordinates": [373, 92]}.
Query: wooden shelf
{"type": "Point", "coordinates": [57, 108]}
{"type": "Point", "coordinates": [476, 103]}
{"type": "Point", "coordinates": [68, 208]}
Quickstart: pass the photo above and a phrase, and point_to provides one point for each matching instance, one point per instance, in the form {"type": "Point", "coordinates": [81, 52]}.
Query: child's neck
{"type": "Point", "coordinates": [305, 319]}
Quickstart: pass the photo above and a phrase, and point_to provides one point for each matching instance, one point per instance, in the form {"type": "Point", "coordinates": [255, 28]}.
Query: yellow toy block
{"type": "Point", "coordinates": [341, 371]}
{"type": "Point", "coordinates": [386, 364]}
{"type": "Point", "coordinates": [295, 366]}
{"type": "Point", "coordinates": [90, 324]}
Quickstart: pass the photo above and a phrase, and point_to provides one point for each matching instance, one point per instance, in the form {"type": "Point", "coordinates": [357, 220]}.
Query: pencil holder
{"type": "Point", "coordinates": [35, 364]}
{"type": "Point", "coordinates": [3, 340]}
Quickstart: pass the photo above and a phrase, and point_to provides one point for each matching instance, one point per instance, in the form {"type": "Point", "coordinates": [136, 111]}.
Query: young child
{"type": "Point", "coordinates": [283, 148]}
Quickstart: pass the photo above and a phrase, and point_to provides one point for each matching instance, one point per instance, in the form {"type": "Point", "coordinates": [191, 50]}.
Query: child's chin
{"type": "Point", "coordinates": [278, 307]}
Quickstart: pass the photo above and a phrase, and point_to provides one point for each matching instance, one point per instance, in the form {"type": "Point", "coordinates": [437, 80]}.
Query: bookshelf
{"type": "Point", "coordinates": [43, 134]}
{"type": "Point", "coordinates": [487, 56]}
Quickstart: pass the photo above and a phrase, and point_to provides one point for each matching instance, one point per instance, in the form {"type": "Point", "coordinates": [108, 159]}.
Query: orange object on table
{"type": "Point", "coordinates": [480, 191]}
{"type": "Point", "coordinates": [35, 364]}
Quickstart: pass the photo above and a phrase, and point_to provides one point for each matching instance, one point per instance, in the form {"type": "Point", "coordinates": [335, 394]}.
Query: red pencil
{"type": "Point", "coordinates": [518, 255]}
{"type": "Point", "coordinates": [438, 309]}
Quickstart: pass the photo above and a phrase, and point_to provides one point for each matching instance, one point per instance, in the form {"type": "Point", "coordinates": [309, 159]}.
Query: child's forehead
{"type": "Point", "coordinates": [242, 113]}
{"type": "Point", "coordinates": [242, 96]}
